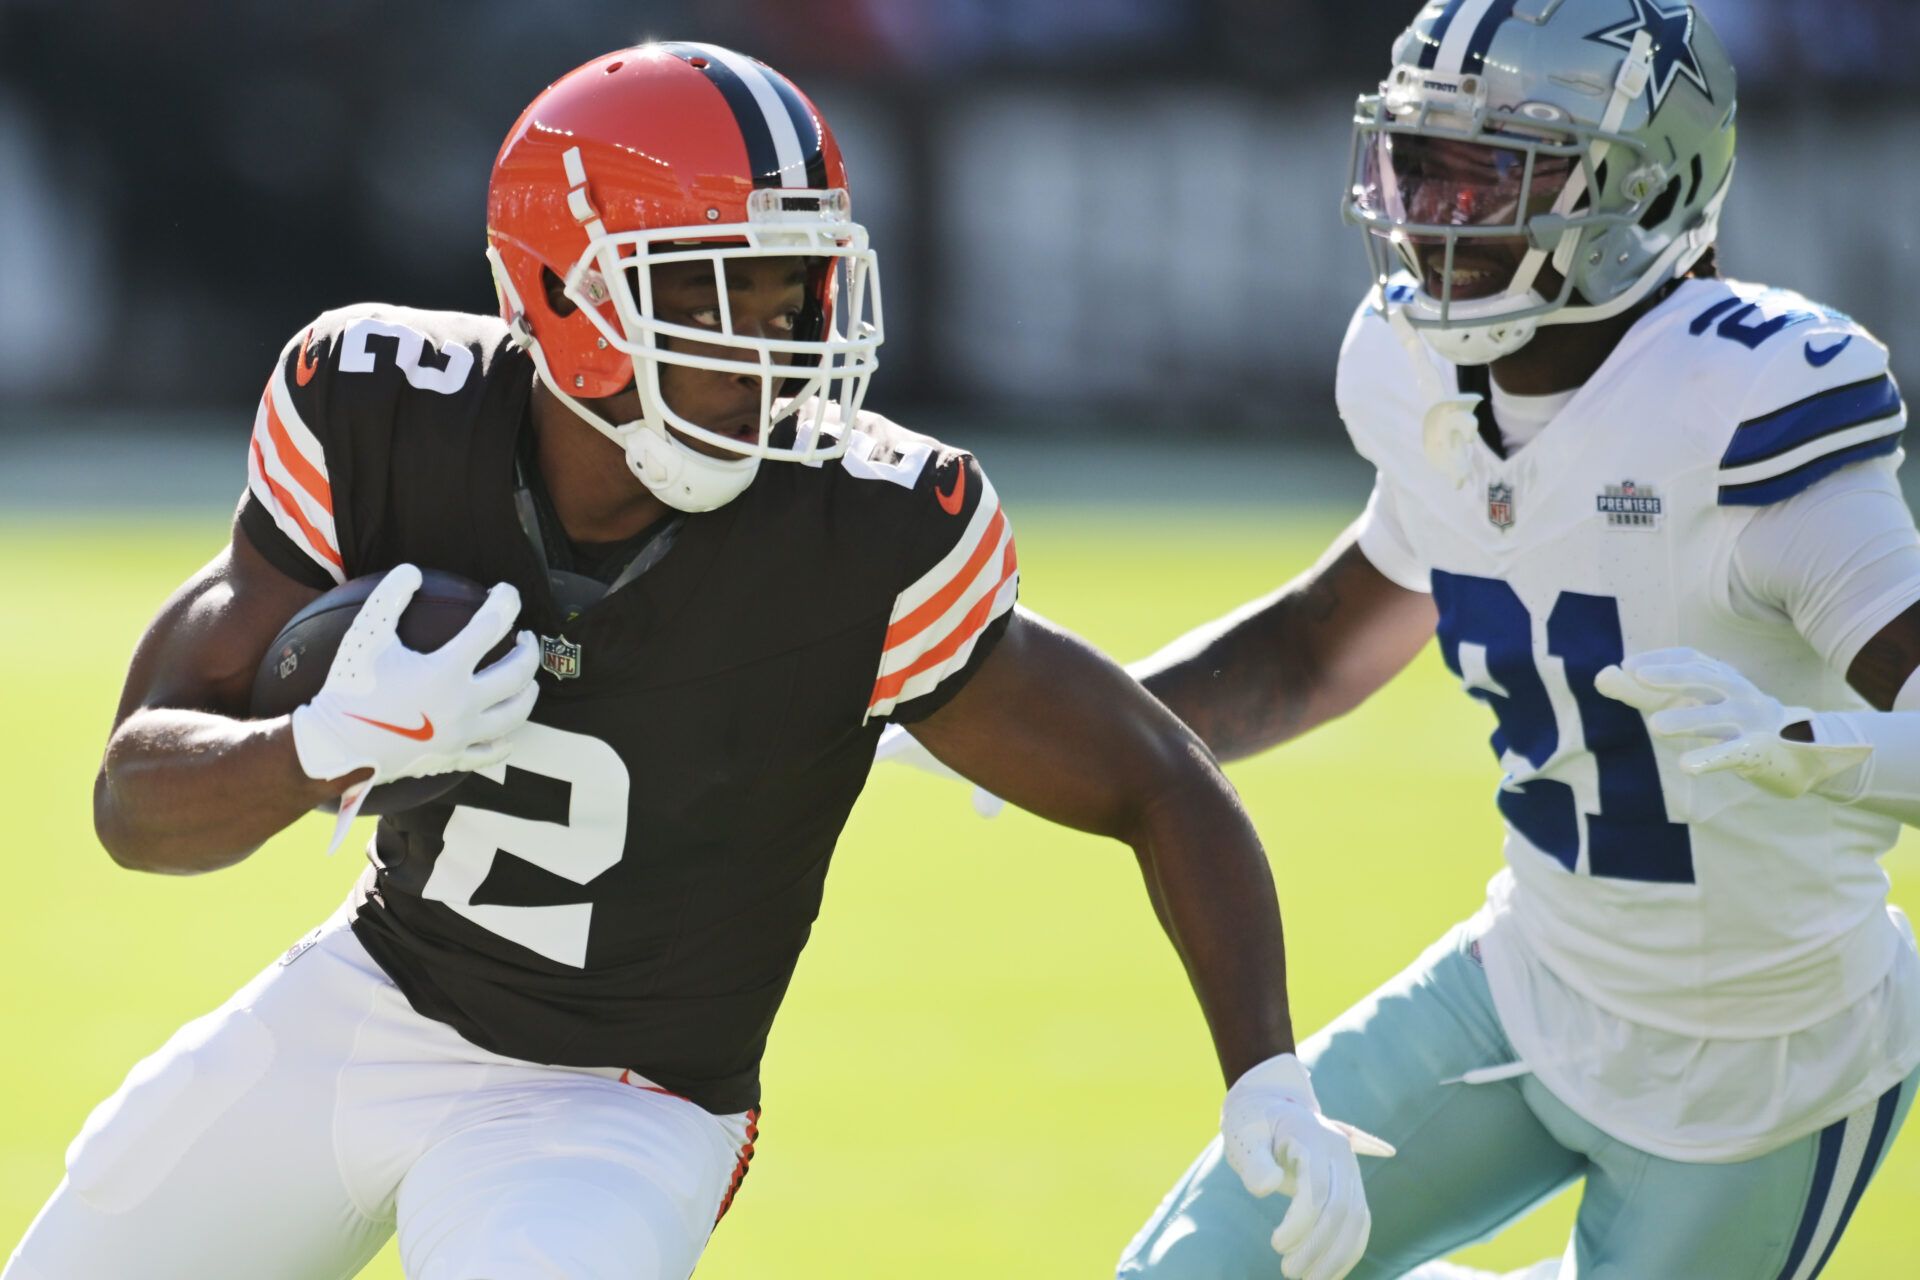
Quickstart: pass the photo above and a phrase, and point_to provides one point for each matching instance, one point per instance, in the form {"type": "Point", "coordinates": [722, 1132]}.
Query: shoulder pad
{"type": "Point", "coordinates": [1813, 395]}
{"type": "Point", "coordinates": [1379, 392]}
{"type": "Point", "coordinates": [435, 351]}
{"type": "Point", "coordinates": [960, 573]}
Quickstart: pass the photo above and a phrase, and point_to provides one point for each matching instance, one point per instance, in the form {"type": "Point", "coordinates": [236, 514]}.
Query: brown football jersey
{"type": "Point", "coordinates": [634, 885]}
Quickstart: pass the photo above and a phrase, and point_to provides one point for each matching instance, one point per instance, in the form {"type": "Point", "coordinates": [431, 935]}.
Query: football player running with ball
{"type": "Point", "coordinates": [530, 1040]}
{"type": "Point", "coordinates": [1598, 464]}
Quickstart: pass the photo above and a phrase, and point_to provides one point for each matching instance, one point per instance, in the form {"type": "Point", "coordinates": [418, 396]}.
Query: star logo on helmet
{"type": "Point", "coordinates": [1673, 56]}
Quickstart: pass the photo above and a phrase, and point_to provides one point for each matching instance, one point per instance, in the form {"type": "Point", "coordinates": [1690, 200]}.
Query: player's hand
{"type": "Point", "coordinates": [1689, 696]}
{"type": "Point", "coordinates": [901, 747]}
{"type": "Point", "coordinates": [405, 714]}
{"type": "Point", "coordinates": [1276, 1139]}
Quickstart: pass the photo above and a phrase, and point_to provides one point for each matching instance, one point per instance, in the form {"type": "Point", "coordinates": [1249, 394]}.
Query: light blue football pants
{"type": "Point", "coordinates": [1474, 1157]}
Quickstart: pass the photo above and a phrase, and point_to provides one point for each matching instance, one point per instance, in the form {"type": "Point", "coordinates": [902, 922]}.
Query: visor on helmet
{"type": "Point", "coordinates": [1457, 212]}
{"type": "Point", "coordinates": [1432, 185]}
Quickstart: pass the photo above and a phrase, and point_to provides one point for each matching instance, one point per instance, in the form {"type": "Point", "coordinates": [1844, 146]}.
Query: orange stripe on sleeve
{"type": "Point", "coordinates": [942, 600]}
{"type": "Point", "coordinates": [316, 541]}
{"type": "Point", "coordinates": [970, 626]}
{"type": "Point", "coordinates": [304, 473]}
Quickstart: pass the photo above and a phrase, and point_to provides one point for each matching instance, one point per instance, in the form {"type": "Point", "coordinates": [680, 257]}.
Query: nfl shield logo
{"type": "Point", "coordinates": [1500, 505]}
{"type": "Point", "coordinates": [559, 658]}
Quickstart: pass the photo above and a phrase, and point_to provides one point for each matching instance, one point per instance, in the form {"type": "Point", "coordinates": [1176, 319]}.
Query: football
{"type": "Point", "coordinates": [297, 662]}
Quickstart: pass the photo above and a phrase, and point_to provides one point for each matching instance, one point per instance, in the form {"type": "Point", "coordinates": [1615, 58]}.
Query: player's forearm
{"type": "Point", "coordinates": [1887, 781]}
{"type": "Point", "coordinates": [1214, 894]}
{"type": "Point", "coordinates": [183, 792]}
{"type": "Point", "coordinates": [1242, 682]}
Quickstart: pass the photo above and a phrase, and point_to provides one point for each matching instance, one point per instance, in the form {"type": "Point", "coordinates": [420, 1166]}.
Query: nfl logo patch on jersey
{"type": "Point", "coordinates": [1630, 506]}
{"type": "Point", "coordinates": [1500, 505]}
{"type": "Point", "coordinates": [559, 657]}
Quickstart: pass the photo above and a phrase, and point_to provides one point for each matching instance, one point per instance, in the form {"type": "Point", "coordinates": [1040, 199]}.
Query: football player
{"type": "Point", "coordinates": [530, 1040]}
{"type": "Point", "coordinates": [1685, 988]}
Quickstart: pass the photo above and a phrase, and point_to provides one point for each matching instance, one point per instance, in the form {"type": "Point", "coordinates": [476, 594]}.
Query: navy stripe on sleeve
{"type": "Point", "coordinates": [1820, 415]}
{"type": "Point", "coordinates": [1764, 493]}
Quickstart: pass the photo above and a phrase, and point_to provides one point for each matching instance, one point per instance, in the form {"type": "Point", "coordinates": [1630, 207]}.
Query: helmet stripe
{"type": "Point", "coordinates": [786, 141]}
{"type": "Point", "coordinates": [1467, 22]}
{"type": "Point", "coordinates": [806, 127]}
{"type": "Point", "coordinates": [1476, 59]}
{"type": "Point", "coordinates": [760, 130]}
{"type": "Point", "coordinates": [1430, 51]}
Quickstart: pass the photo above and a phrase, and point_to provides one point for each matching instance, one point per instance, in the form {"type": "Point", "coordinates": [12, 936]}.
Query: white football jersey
{"type": "Point", "coordinates": [1644, 914]}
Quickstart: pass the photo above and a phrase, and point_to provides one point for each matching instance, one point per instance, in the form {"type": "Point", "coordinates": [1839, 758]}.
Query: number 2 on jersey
{"type": "Point", "coordinates": [409, 356]}
{"type": "Point", "coordinates": [592, 838]}
{"type": "Point", "coordinates": [1486, 637]}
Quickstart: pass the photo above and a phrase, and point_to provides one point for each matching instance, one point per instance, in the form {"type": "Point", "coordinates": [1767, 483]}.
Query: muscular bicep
{"type": "Point", "coordinates": [202, 649]}
{"type": "Point", "coordinates": [1054, 726]}
{"type": "Point", "coordinates": [1294, 659]}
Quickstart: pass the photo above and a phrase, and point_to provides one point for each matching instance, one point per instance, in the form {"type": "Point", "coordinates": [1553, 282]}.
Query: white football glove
{"type": "Point", "coordinates": [1276, 1139]}
{"type": "Point", "coordinates": [1688, 695]}
{"type": "Point", "coordinates": [901, 747]}
{"type": "Point", "coordinates": [405, 714]}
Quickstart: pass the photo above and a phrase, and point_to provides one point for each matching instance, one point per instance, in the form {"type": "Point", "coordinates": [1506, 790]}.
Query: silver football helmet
{"type": "Point", "coordinates": [1537, 162]}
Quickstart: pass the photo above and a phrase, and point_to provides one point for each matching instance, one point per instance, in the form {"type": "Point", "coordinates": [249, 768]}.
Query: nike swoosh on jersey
{"type": "Point", "coordinates": [303, 374]}
{"type": "Point", "coordinates": [1821, 359]}
{"type": "Point", "coordinates": [956, 497]}
{"type": "Point", "coordinates": [421, 734]}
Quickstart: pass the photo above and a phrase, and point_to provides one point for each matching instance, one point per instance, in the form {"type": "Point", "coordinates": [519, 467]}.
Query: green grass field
{"type": "Point", "coordinates": [989, 1065]}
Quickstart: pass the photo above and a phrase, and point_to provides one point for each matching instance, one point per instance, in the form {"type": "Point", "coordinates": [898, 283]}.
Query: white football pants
{"type": "Point", "coordinates": [285, 1135]}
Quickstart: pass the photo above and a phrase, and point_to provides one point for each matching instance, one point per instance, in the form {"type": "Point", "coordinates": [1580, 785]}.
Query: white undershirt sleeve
{"type": "Point", "coordinates": [1384, 542]}
{"type": "Point", "coordinates": [1840, 561]}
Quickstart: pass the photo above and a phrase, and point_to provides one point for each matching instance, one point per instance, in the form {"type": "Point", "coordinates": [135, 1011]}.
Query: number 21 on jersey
{"type": "Point", "coordinates": [1487, 638]}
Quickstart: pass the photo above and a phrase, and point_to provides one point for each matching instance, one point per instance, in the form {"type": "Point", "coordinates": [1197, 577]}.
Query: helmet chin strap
{"type": "Point", "coordinates": [684, 478]}
{"type": "Point", "coordinates": [677, 474]}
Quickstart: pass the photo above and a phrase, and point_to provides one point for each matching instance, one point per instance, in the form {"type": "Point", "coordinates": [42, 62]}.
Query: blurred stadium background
{"type": "Point", "coordinates": [1113, 264]}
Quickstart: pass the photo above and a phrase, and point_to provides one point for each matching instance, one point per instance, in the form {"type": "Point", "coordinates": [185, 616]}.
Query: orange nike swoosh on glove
{"type": "Point", "coordinates": [424, 732]}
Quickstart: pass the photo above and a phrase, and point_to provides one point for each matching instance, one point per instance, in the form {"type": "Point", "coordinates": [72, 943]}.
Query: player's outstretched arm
{"type": "Point", "coordinates": [1055, 727]}
{"type": "Point", "coordinates": [1059, 730]}
{"type": "Point", "coordinates": [1291, 661]}
{"type": "Point", "coordinates": [1724, 722]}
{"type": "Point", "coordinates": [187, 783]}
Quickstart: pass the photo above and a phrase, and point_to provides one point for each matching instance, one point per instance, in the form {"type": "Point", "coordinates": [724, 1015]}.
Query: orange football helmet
{"type": "Point", "coordinates": [672, 153]}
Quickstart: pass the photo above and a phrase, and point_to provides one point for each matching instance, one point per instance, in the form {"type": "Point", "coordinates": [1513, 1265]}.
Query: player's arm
{"type": "Point", "coordinates": [1306, 654]}
{"type": "Point", "coordinates": [1888, 662]}
{"type": "Point", "coordinates": [1055, 727]}
{"type": "Point", "coordinates": [1058, 729]}
{"type": "Point", "coordinates": [188, 783]}
{"type": "Point", "coordinates": [1839, 557]}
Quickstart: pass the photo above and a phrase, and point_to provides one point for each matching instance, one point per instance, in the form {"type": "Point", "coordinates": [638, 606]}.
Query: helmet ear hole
{"type": "Point", "coordinates": [556, 290]}
{"type": "Point", "coordinates": [1663, 206]}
